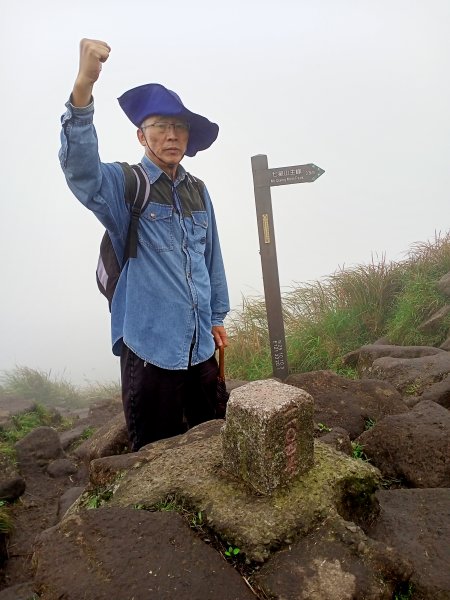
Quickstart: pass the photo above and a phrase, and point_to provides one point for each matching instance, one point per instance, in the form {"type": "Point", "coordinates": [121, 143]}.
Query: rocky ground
{"type": "Point", "coordinates": [393, 544]}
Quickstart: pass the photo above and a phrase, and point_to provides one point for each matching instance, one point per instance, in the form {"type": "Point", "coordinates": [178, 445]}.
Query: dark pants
{"type": "Point", "coordinates": [159, 403]}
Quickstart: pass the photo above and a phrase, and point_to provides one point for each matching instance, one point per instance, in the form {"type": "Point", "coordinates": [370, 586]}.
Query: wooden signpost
{"type": "Point", "coordinates": [263, 179]}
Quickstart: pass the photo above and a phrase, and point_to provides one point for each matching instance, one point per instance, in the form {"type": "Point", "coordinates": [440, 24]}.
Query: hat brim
{"type": "Point", "coordinates": [154, 99]}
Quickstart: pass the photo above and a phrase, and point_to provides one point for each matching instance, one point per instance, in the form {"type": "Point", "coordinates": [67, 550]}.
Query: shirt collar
{"type": "Point", "coordinates": [154, 172]}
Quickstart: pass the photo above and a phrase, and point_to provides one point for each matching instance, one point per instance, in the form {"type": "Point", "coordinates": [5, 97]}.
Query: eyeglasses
{"type": "Point", "coordinates": [164, 126]}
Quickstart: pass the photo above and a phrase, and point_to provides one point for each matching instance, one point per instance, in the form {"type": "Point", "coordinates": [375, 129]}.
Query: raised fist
{"type": "Point", "coordinates": [92, 54]}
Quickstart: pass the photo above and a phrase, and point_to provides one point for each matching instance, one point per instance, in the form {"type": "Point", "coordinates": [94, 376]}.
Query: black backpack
{"type": "Point", "coordinates": [137, 194]}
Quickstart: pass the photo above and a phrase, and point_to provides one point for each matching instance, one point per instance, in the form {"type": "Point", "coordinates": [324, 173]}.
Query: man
{"type": "Point", "coordinates": [170, 302]}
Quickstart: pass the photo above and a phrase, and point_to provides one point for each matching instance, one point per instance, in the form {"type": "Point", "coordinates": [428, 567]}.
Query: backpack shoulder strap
{"type": "Point", "coordinates": [137, 194]}
{"type": "Point", "coordinates": [198, 185]}
{"type": "Point", "coordinates": [196, 182]}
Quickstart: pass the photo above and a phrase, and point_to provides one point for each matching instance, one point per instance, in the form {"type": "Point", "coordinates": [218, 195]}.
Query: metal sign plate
{"type": "Point", "coordinates": [288, 175]}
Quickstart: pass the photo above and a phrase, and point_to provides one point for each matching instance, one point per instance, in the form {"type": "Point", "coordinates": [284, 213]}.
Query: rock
{"type": "Point", "coordinates": [22, 591]}
{"type": "Point", "coordinates": [416, 523]}
{"type": "Point", "coordinates": [61, 467]}
{"type": "Point", "coordinates": [71, 436]}
{"type": "Point", "coordinates": [445, 345]}
{"type": "Point", "coordinates": [435, 322]}
{"type": "Point", "coordinates": [438, 392]}
{"type": "Point", "coordinates": [363, 357]}
{"type": "Point", "coordinates": [336, 561]}
{"type": "Point", "coordinates": [104, 471]}
{"type": "Point", "coordinates": [368, 354]}
{"type": "Point", "coordinates": [39, 446]}
{"type": "Point", "coordinates": [111, 438]}
{"type": "Point", "coordinates": [11, 487]}
{"type": "Point", "coordinates": [267, 439]}
{"type": "Point", "coordinates": [256, 524]}
{"type": "Point", "coordinates": [12, 484]}
{"type": "Point", "coordinates": [349, 404]}
{"type": "Point", "coordinates": [11, 406]}
{"type": "Point", "coordinates": [443, 284]}
{"type": "Point", "coordinates": [67, 499]}
{"type": "Point", "coordinates": [339, 439]}
{"type": "Point", "coordinates": [127, 553]}
{"type": "Point", "coordinates": [413, 375]}
{"type": "Point", "coordinates": [412, 447]}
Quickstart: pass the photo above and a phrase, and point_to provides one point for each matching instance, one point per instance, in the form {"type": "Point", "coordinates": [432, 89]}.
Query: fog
{"type": "Point", "coordinates": [360, 88]}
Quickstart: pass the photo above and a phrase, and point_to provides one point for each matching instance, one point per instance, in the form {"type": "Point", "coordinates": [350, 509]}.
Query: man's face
{"type": "Point", "coordinates": [167, 138]}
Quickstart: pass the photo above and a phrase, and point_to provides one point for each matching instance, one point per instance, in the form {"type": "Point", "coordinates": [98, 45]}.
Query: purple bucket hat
{"type": "Point", "coordinates": [154, 99]}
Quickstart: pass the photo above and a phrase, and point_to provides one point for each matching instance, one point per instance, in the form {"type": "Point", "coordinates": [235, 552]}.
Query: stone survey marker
{"type": "Point", "coordinates": [267, 439]}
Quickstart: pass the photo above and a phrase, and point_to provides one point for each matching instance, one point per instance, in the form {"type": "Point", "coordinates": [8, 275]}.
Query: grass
{"type": "Point", "coordinates": [6, 524]}
{"type": "Point", "coordinates": [326, 319]}
{"type": "Point", "coordinates": [52, 391]}
{"type": "Point", "coordinates": [20, 425]}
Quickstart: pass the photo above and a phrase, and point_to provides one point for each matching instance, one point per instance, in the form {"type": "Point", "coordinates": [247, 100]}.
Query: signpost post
{"type": "Point", "coordinates": [263, 179]}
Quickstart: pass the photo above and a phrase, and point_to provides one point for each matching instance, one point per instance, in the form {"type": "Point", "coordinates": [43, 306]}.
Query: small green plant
{"type": "Point", "coordinates": [358, 451]}
{"type": "Point", "coordinates": [369, 423]}
{"type": "Point", "coordinates": [196, 519]}
{"type": "Point", "coordinates": [405, 592]}
{"type": "Point", "coordinates": [413, 389]}
{"type": "Point", "coordinates": [232, 552]}
{"type": "Point", "coordinates": [87, 433]}
{"type": "Point", "coordinates": [170, 504]}
{"type": "Point", "coordinates": [323, 428]}
{"type": "Point", "coordinates": [98, 499]}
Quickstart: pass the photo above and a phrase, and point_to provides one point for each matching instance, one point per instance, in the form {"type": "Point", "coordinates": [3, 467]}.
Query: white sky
{"type": "Point", "coordinates": [360, 88]}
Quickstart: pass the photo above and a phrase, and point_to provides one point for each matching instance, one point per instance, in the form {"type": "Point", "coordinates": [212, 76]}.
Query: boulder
{"type": "Point", "coordinates": [416, 523]}
{"type": "Point", "coordinates": [40, 446]}
{"type": "Point", "coordinates": [413, 375]}
{"type": "Point", "coordinates": [61, 467]}
{"type": "Point", "coordinates": [443, 285]}
{"type": "Point", "coordinates": [364, 358]}
{"type": "Point", "coordinates": [67, 499]}
{"type": "Point", "coordinates": [435, 321]}
{"type": "Point", "coordinates": [12, 484]}
{"type": "Point", "coordinates": [11, 406]}
{"type": "Point", "coordinates": [347, 403]}
{"type": "Point", "coordinates": [71, 436]}
{"type": "Point", "coordinates": [110, 439]}
{"type": "Point", "coordinates": [193, 473]}
{"type": "Point", "coordinates": [127, 553]}
{"type": "Point", "coordinates": [412, 447]}
{"type": "Point", "coordinates": [445, 345]}
{"type": "Point", "coordinates": [21, 591]}
{"type": "Point", "coordinates": [336, 561]}
{"type": "Point", "coordinates": [438, 392]}
{"type": "Point", "coordinates": [339, 439]}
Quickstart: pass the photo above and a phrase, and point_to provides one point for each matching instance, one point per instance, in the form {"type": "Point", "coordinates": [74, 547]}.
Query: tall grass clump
{"type": "Point", "coordinates": [44, 389]}
{"type": "Point", "coordinates": [326, 319]}
{"type": "Point", "coordinates": [419, 297]}
{"type": "Point", "coordinates": [40, 386]}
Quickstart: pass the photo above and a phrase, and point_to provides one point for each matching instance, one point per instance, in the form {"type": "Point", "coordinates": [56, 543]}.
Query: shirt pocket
{"type": "Point", "coordinates": [199, 228]}
{"type": "Point", "coordinates": [156, 227]}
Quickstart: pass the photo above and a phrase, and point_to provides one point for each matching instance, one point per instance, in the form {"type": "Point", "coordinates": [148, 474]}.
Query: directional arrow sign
{"type": "Point", "coordinates": [288, 175]}
{"type": "Point", "coordinates": [263, 179]}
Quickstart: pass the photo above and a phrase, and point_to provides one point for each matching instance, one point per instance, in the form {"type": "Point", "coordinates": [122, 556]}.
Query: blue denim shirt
{"type": "Point", "coordinates": [175, 290]}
